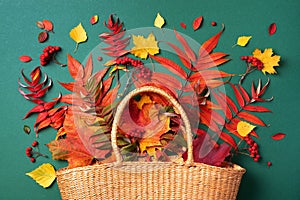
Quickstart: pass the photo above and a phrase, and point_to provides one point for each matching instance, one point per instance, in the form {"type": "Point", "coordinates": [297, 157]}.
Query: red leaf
{"type": "Point", "coordinates": [170, 65]}
{"type": "Point", "coordinates": [43, 36]}
{"type": "Point", "coordinates": [244, 93]}
{"type": "Point", "coordinates": [208, 74]}
{"type": "Point", "coordinates": [251, 118]}
{"type": "Point", "coordinates": [48, 26]}
{"type": "Point", "coordinates": [110, 97]}
{"type": "Point", "coordinates": [210, 44]}
{"type": "Point", "coordinates": [202, 66]}
{"type": "Point", "coordinates": [272, 28]}
{"type": "Point", "coordinates": [25, 58]}
{"type": "Point", "coordinates": [278, 136]}
{"type": "Point", "coordinates": [228, 139]}
{"type": "Point", "coordinates": [35, 76]}
{"type": "Point", "coordinates": [41, 117]}
{"type": "Point", "coordinates": [238, 95]}
{"type": "Point", "coordinates": [211, 57]}
{"type": "Point", "coordinates": [42, 125]}
{"type": "Point", "coordinates": [75, 68]}
{"type": "Point", "coordinates": [36, 109]}
{"type": "Point", "coordinates": [197, 23]}
{"type": "Point", "coordinates": [229, 102]}
{"type": "Point", "coordinates": [166, 80]}
{"type": "Point", "coordinates": [183, 25]}
{"type": "Point", "coordinates": [256, 108]}
{"type": "Point", "coordinates": [68, 86]}
{"type": "Point", "coordinates": [223, 105]}
{"type": "Point", "coordinates": [183, 57]}
{"type": "Point", "coordinates": [189, 52]}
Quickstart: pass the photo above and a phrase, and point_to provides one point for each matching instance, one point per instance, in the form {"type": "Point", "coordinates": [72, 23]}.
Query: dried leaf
{"type": "Point", "coordinates": [278, 136]}
{"type": "Point", "coordinates": [26, 129]}
{"type": "Point", "coordinates": [272, 28]}
{"type": "Point", "coordinates": [188, 50]}
{"type": "Point", "coordinates": [94, 19]}
{"type": "Point", "coordinates": [251, 118]}
{"type": "Point", "coordinates": [243, 40]}
{"type": "Point", "coordinates": [183, 25]}
{"type": "Point", "coordinates": [48, 25]}
{"type": "Point", "coordinates": [144, 46]}
{"type": "Point", "coordinates": [44, 175]}
{"type": "Point", "coordinates": [159, 21]}
{"type": "Point", "coordinates": [197, 23]}
{"type": "Point", "coordinates": [268, 59]}
{"type": "Point", "coordinates": [78, 34]}
{"type": "Point", "coordinates": [75, 68]}
{"type": "Point", "coordinates": [25, 58]}
{"type": "Point", "coordinates": [244, 128]}
{"type": "Point", "coordinates": [43, 36]}
{"type": "Point", "coordinates": [40, 25]}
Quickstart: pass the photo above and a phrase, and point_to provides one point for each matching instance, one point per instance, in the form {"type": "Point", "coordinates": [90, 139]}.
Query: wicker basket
{"type": "Point", "coordinates": [150, 180]}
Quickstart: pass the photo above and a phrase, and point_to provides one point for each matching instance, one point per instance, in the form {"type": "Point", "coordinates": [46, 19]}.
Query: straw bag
{"type": "Point", "coordinates": [150, 180]}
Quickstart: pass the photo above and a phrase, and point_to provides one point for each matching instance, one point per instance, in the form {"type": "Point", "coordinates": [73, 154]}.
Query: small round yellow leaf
{"type": "Point", "coordinates": [244, 128]}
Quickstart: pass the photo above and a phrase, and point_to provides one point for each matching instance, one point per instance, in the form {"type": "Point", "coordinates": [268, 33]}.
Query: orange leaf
{"type": "Point", "coordinates": [278, 136]}
{"type": "Point", "coordinates": [228, 139]}
{"type": "Point", "coordinates": [197, 23]}
{"type": "Point", "coordinates": [251, 118]}
{"type": "Point", "coordinates": [88, 69]}
{"type": "Point", "coordinates": [75, 68]}
{"type": "Point", "coordinates": [25, 58]}
{"type": "Point", "coordinates": [189, 52]}
{"type": "Point", "coordinates": [48, 25]}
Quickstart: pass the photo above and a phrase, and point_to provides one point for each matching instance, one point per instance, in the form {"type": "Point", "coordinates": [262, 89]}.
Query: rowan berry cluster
{"type": "Point", "coordinates": [135, 133]}
{"type": "Point", "coordinates": [144, 72]}
{"type": "Point", "coordinates": [34, 154]}
{"type": "Point", "coordinates": [253, 148]}
{"type": "Point", "coordinates": [48, 54]}
{"type": "Point", "coordinates": [254, 61]}
{"type": "Point", "coordinates": [128, 62]}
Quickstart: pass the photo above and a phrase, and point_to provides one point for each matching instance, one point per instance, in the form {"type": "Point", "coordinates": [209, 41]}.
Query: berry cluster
{"type": "Point", "coordinates": [135, 133]}
{"type": "Point", "coordinates": [253, 148]}
{"type": "Point", "coordinates": [144, 72]}
{"type": "Point", "coordinates": [129, 62]}
{"type": "Point", "coordinates": [33, 154]}
{"type": "Point", "coordinates": [254, 61]}
{"type": "Point", "coordinates": [48, 54]}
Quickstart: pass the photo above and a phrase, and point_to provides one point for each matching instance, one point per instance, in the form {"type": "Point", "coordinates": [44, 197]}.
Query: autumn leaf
{"type": "Point", "coordinates": [244, 128]}
{"type": "Point", "coordinates": [44, 175]}
{"type": "Point", "coordinates": [159, 21]}
{"type": "Point", "coordinates": [243, 40]}
{"type": "Point", "coordinates": [278, 136]}
{"type": "Point", "coordinates": [183, 25]}
{"type": "Point", "coordinates": [78, 34]}
{"type": "Point", "coordinates": [272, 28]}
{"type": "Point", "coordinates": [268, 59]}
{"type": "Point", "coordinates": [197, 23]}
{"type": "Point", "coordinates": [48, 25]}
{"type": "Point", "coordinates": [25, 58]}
{"type": "Point", "coordinates": [144, 46]}
{"type": "Point", "coordinates": [94, 19]}
{"type": "Point", "coordinates": [144, 100]}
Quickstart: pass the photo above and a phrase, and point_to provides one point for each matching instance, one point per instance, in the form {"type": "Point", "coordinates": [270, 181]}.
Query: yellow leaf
{"type": "Point", "coordinates": [243, 40]}
{"type": "Point", "coordinates": [78, 34]}
{"type": "Point", "coordinates": [159, 21]}
{"type": "Point", "coordinates": [144, 99]}
{"type": "Point", "coordinates": [43, 175]}
{"type": "Point", "coordinates": [267, 59]}
{"type": "Point", "coordinates": [144, 46]}
{"type": "Point", "coordinates": [244, 128]}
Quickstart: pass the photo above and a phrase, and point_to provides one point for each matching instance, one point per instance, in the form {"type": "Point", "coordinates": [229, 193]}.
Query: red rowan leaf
{"type": "Point", "coordinates": [197, 23]}
{"type": "Point", "coordinates": [189, 52]}
{"type": "Point", "coordinates": [36, 109]}
{"type": "Point", "coordinates": [251, 118]}
{"type": "Point", "coordinates": [35, 75]}
{"type": "Point", "coordinates": [244, 93]}
{"type": "Point", "coordinates": [68, 86]}
{"type": "Point", "coordinates": [25, 58]}
{"type": "Point", "coordinates": [42, 37]}
{"type": "Point", "coordinates": [211, 57]}
{"type": "Point", "coordinates": [254, 134]}
{"type": "Point", "coordinates": [183, 25]}
{"type": "Point", "coordinates": [75, 68]}
{"type": "Point", "coordinates": [43, 124]}
{"type": "Point", "coordinates": [230, 102]}
{"type": "Point", "coordinates": [41, 117]}
{"type": "Point", "coordinates": [278, 136]}
{"type": "Point", "coordinates": [203, 66]}
{"type": "Point", "coordinates": [166, 80]}
{"type": "Point", "coordinates": [223, 105]}
{"type": "Point", "coordinates": [208, 75]}
{"type": "Point", "coordinates": [182, 56]}
{"type": "Point", "coordinates": [272, 28]}
{"type": "Point", "coordinates": [238, 95]}
{"type": "Point", "coordinates": [170, 65]}
{"type": "Point", "coordinates": [88, 69]}
{"type": "Point", "coordinates": [256, 108]}
{"type": "Point", "coordinates": [228, 139]}
{"type": "Point", "coordinates": [110, 97]}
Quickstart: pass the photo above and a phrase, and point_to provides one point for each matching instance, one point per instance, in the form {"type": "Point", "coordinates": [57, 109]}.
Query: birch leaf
{"type": "Point", "coordinates": [244, 128]}
{"type": "Point", "coordinates": [159, 21]}
{"type": "Point", "coordinates": [44, 175]}
{"type": "Point", "coordinates": [78, 34]}
{"type": "Point", "coordinates": [243, 40]}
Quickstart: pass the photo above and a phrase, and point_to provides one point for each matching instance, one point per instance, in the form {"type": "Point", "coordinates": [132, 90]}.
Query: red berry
{"type": "Point", "coordinates": [28, 149]}
{"type": "Point", "coordinates": [255, 159]}
{"type": "Point", "coordinates": [34, 143]}
{"type": "Point", "coordinates": [213, 23]}
{"type": "Point", "coordinates": [269, 163]}
{"type": "Point", "coordinates": [28, 154]}
{"type": "Point", "coordinates": [32, 160]}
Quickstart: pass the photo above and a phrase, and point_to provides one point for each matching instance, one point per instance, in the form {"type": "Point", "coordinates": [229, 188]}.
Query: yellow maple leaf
{"type": "Point", "coordinates": [144, 46]}
{"type": "Point", "coordinates": [43, 175]}
{"type": "Point", "coordinates": [243, 40]}
{"type": "Point", "coordinates": [244, 128]}
{"type": "Point", "coordinates": [144, 99]}
{"type": "Point", "coordinates": [159, 21]}
{"type": "Point", "coordinates": [78, 34]}
{"type": "Point", "coordinates": [268, 59]}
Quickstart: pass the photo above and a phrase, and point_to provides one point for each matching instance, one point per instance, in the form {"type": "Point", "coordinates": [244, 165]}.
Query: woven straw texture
{"type": "Point", "coordinates": [150, 180]}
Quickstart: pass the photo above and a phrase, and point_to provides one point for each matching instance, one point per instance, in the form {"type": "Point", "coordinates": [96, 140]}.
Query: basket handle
{"type": "Point", "coordinates": [177, 107]}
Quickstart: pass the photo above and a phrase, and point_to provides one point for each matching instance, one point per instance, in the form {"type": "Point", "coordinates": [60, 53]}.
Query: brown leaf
{"type": "Point", "coordinates": [25, 58]}
{"type": "Point", "coordinates": [272, 28]}
{"type": "Point", "coordinates": [48, 25]}
{"type": "Point", "coordinates": [43, 36]}
{"type": "Point", "coordinates": [278, 136]}
{"type": "Point", "coordinates": [197, 23]}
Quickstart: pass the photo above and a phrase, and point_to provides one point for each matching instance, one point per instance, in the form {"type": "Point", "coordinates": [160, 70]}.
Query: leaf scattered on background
{"type": "Point", "coordinates": [26, 129]}
{"type": "Point", "coordinates": [25, 58]}
{"type": "Point", "coordinates": [197, 23]}
{"type": "Point", "coordinates": [78, 34]}
{"type": "Point", "coordinates": [268, 59]}
{"type": "Point", "coordinates": [244, 128]}
{"type": "Point", "coordinates": [48, 25]}
{"type": "Point", "coordinates": [278, 136]}
{"type": "Point", "coordinates": [272, 28]}
{"type": "Point", "coordinates": [243, 40]}
{"type": "Point", "coordinates": [44, 175]}
{"type": "Point", "coordinates": [40, 24]}
{"type": "Point", "coordinates": [144, 46]}
{"type": "Point", "coordinates": [94, 19]}
{"type": "Point", "coordinates": [159, 21]}
{"type": "Point", "coordinates": [43, 36]}
{"type": "Point", "coordinates": [183, 25]}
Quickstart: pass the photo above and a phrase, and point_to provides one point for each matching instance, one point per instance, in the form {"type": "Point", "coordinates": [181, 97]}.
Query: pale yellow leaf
{"type": "Point", "coordinates": [268, 59]}
{"type": "Point", "coordinates": [159, 21]}
{"type": "Point", "coordinates": [144, 46]}
{"type": "Point", "coordinates": [78, 34]}
{"type": "Point", "coordinates": [43, 175]}
{"type": "Point", "coordinates": [243, 40]}
{"type": "Point", "coordinates": [244, 128]}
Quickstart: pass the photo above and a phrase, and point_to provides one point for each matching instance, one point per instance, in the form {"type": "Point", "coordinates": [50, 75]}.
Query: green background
{"type": "Point", "coordinates": [19, 36]}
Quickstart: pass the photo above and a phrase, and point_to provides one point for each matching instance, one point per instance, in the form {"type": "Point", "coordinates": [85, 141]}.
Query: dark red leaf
{"type": "Point", "coordinates": [42, 37]}
{"type": "Point", "coordinates": [256, 108]}
{"type": "Point", "coordinates": [35, 76]}
{"type": "Point", "coordinates": [25, 58]}
{"type": "Point", "coordinates": [183, 25]}
{"type": "Point", "coordinates": [228, 139]}
{"type": "Point", "coordinates": [170, 65]}
{"type": "Point", "coordinates": [189, 52]}
{"type": "Point", "coordinates": [197, 23]}
{"type": "Point", "coordinates": [278, 136]}
{"type": "Point", "coordinates": [272, 28]}
{"type": "Point", "coordinates": [251, 118]}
